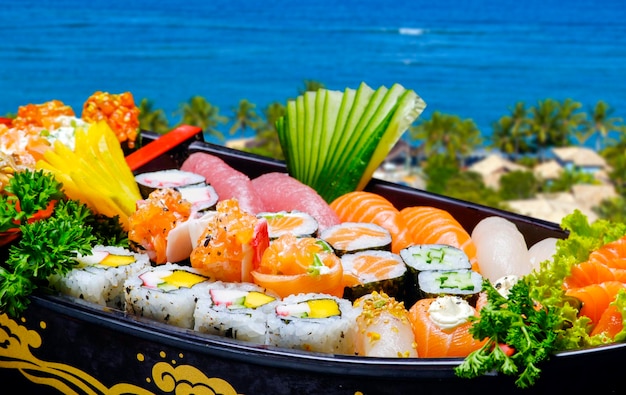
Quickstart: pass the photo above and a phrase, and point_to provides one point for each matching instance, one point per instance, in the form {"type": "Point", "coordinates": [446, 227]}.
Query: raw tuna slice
{"type": "Point", "coordinates": [227, 182]}
{"type": "Point", "coordinates": [281, 192]}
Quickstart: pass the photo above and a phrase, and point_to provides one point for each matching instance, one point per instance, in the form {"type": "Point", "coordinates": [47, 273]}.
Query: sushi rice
{"type": "Point", "coordinates": [99, 277]}
{"type": "Point", "coordinates": [166, 293]}
{"type": "Point", "coordinates": [235, 310]}
{"type": "Point", "coordinates": [313, 322]}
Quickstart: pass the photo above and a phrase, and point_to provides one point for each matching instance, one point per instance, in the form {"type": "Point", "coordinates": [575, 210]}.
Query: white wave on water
{"type": "Point", "coordinates": [411, 31]}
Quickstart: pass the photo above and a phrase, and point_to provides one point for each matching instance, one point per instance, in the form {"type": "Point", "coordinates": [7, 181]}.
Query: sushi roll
{"type": "Point", "coordinates": [383, 328]}
{"type": "Point", "coordinates": [298, 223]}
{"type": "Point", "coordinates": [202, 197]}
{"type": "Point", "coordinates": [172, 178]}
{"type": "Point", "coordinates": [166, 293]}
{"type": "Point", "coordinates": [464, 283]}
{"type": "Point", "coordinates": [313, 322]}
{"type": "Point", "coordinates": [99, 277]}
{"type": "Point", "coordinates": [235, 310]}
{"type": "Point", "coordinates": [373, 270]}
{"type": "Point", "coordinates": [351, 237]}
{"type": "Point", "coordinates": [425, 257]}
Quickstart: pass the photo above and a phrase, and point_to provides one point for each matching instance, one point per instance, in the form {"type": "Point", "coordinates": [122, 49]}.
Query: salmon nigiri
{"type": "Point", "coordinates": [362, 206]}
{"type": "Point", "coordinates": [596, 298]}
{"type": "Point", "coordinates": [431, 225]}
{"type": "Point", "coordinates": [441, 327]}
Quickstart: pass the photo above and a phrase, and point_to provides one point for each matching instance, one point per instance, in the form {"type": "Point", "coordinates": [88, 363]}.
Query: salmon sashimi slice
{"type": "Point", "coordinates": [436, 342]}
{"type": "Point", "coordinates": [610, 324]}
{"type": "Point", "coordinates": [595, 298]}
{"type": "Point", "coordinates": [592, 272]}
{"type": "Point", "coordinates": [431, 225]}
{"type": "Point", "coordinates": [612, 254]}
{"type": "Point", "coordinates": [362, 206]}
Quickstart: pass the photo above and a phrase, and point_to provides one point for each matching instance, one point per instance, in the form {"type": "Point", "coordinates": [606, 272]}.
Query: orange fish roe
{"type": "Point", "coordinates": [232, 243]}
{"type": "Point", "coordinates": [154, 218]}
{"type": "Point", "coordinates": [118, 110]}
{"type": "Point", "coordinates": [41, 115]}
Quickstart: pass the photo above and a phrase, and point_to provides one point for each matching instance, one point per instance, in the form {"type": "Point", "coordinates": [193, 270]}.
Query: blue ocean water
{"type": "Point", "coordinates": [475, 58]}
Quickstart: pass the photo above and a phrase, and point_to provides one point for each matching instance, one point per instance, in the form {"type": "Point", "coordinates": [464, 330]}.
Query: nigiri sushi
{"type": "Point", "coordinates": [441, 327]}
{"type": "Point", "coordinates": [501, 249]}
{"type": "Point", "coordinates": [383, 328]}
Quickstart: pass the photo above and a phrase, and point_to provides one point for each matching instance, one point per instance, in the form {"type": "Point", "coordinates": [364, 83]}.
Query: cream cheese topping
{"type": "Point", "coordinates": [448, 312]}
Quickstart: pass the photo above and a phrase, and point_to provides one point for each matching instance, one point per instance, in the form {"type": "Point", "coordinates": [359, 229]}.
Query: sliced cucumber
{"type": "Point", "coordinates": [333, 141]}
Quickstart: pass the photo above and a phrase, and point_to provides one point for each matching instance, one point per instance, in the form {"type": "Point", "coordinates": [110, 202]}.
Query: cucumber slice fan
{"type": "Point", "coordinates": [333, 141]}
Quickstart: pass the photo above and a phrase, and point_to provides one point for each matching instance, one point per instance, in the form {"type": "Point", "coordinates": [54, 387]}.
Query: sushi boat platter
{"type": "Point", "coordinates": [63, 344]}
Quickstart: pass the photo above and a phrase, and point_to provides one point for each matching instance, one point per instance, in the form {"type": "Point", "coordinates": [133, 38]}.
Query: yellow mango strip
{"type": "Point", "coordinates": [95, 172]}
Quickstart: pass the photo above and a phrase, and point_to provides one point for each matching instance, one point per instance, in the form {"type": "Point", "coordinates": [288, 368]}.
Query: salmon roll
{"type": "Point", "coordinates": [313, 322]}
{"type": "Point", "coordinates": [166, 293]}
{"type": "Point", "coordinates": [298, 223]}
{"type": "Point", "coordinates": [373, 270]}
{"type": "Point", "coordinates": [351, 237]}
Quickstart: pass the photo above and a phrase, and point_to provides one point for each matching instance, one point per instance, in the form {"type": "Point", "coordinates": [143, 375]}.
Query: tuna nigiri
{"type": "Point", "coordinates": [227, 182]}
{"type": "Point", "coordinates": [441, 327]}
{"type": "Point", "coordinates": [281, 192]}
{"type": "Point", "coordinates": [361, 206]}
{"type": "Point", "coordinates": [430, 225]}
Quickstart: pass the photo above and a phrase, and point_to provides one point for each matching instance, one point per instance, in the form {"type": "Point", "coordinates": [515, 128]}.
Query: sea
{"type": "Point", "coordinates": [471, 58]}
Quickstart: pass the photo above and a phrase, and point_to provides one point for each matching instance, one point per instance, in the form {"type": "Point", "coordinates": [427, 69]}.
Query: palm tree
{"type": "Point", "coordinates": [602, 123]}
{"type": "Point", "coordinates": [266, 139]}
{"type": "Point", "coordinates": [151, 119]}
{"type": "Point", "coordinates": [543, 123]}
{"type": "Point", "coordinates": [311, 86]}
{"type": "Point", "coordinates": [446, 134]}
{"type": "Point", "coordinates": [199, 112]}
{"type": "Point", "coordinates": [570, 119]}
{"type": "Point", "coordinates": [245, 117]}
{"type": "Point", "coordinates": [510, 133]}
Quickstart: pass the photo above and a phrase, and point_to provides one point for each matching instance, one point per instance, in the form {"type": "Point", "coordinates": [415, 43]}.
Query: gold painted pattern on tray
{"type": "Point", "coordinates": [17, 343]}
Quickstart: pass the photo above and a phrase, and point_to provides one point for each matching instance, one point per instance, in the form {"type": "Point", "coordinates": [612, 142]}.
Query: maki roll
{"type": "Point", "coordinates": [373, 270]}
{"type": "Point", "coordinates": [351, 237]}
{"type": "Point", "coordinates": [428, 257]}
{"type": "Point", "coordinates": [298, 223]}
{"type": "Point", "coordinates": [99, 277]}
{"type": "Point", "coordinates": [235, 310]}
{"type": "Point", "coordinates": [464, 283]}
{"type": "Point", "coordinates": [172, 178]}
{"type": "Point", "coordinates": [166, 293]}
{"type": "Point", "coordinates": [202, 197]}
{"type": "Point", "coordinates": [313, 322]}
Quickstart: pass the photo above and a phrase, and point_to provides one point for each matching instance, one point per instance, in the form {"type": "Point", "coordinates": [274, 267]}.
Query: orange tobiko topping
{"type": "Point", "coordinates": [117, 110]}
{"type": "Point", "coordinates": [154, 218]}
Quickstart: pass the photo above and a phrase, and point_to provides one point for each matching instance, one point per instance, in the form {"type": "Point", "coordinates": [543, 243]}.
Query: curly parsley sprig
{"type": "Point", "coordinates": [517, 322]}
